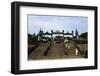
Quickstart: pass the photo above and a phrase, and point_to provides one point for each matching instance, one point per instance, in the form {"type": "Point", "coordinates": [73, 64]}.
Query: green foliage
{"type": "Point", "coordinates": [32, 38]}
{"type": "Point", "coordinates": [84, 35]}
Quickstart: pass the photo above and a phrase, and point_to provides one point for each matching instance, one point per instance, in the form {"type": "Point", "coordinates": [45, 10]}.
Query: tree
{"type": "Point", "coordinates": [84, 35]}
{"type": "Point", "coordinates": [32, 38]}
{"type": "Point", "coordinates": [29, 36]}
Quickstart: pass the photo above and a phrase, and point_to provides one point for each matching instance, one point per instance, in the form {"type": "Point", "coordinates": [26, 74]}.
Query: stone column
{"type": "Point", "coordinates": [63, 34]}
{"type": "Point", "coordinates": [51, 34]}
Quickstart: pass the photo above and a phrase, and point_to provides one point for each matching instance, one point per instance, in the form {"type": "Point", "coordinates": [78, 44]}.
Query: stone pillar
{"type": "Point", "coordinates": [63, 33]}
{"type": "Point", "coordinates": [72, 33]}
{"type": "Point", "coordinates": [51, 34]}
{"type": "Point", "coordinates": [77, 34]}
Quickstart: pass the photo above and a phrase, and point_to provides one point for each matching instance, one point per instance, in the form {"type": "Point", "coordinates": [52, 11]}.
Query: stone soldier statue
{"type": "Point", "coordinates": [76, 51]}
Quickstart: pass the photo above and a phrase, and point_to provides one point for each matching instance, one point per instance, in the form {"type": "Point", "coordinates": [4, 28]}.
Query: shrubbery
{"type": "Point", "coordinates": [32, 38]}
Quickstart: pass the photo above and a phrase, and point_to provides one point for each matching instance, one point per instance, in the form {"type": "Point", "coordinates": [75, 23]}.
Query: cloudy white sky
{"type": "Point", "coordinates": [48, 23]}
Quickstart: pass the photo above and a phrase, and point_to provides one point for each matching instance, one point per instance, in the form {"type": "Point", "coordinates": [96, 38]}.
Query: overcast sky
{"type": "Point", "coordinates": [48, 23]}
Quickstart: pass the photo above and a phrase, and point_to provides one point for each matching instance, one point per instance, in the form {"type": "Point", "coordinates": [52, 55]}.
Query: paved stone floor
{"type": "Point", "coordinates": [56, 51]}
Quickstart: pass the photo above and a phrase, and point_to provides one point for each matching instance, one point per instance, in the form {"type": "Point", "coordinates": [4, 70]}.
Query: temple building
{"type": "Point", "coordinates": [60, 35]}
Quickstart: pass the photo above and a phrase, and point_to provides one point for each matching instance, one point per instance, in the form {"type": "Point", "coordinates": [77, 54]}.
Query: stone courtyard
{"type": "Point", "coordinates": [58, 47]}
